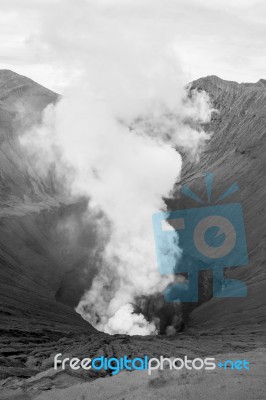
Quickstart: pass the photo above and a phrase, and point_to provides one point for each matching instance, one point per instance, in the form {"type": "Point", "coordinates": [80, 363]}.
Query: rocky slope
{"type": "Point", "coordinates": [35, 257]}
{"type": "Point", "coordinates": [43, 272]}
{"type": "Point", "coordinates": [236, 153]}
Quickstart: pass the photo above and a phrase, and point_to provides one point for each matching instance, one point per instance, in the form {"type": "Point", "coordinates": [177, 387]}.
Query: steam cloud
{"type": "Point", "coordinates": [116, 130]}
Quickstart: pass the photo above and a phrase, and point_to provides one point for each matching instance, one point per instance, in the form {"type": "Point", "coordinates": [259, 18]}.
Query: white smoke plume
{"type": "Point", "coordinates": [116, 130]}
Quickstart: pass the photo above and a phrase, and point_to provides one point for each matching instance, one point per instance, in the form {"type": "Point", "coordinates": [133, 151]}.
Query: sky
{"type": "Point", "coordinates": [226, 38]}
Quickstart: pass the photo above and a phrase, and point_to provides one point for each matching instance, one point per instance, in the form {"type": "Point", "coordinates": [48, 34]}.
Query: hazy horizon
{"type": "Point", "coordinates": [226, 39]}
